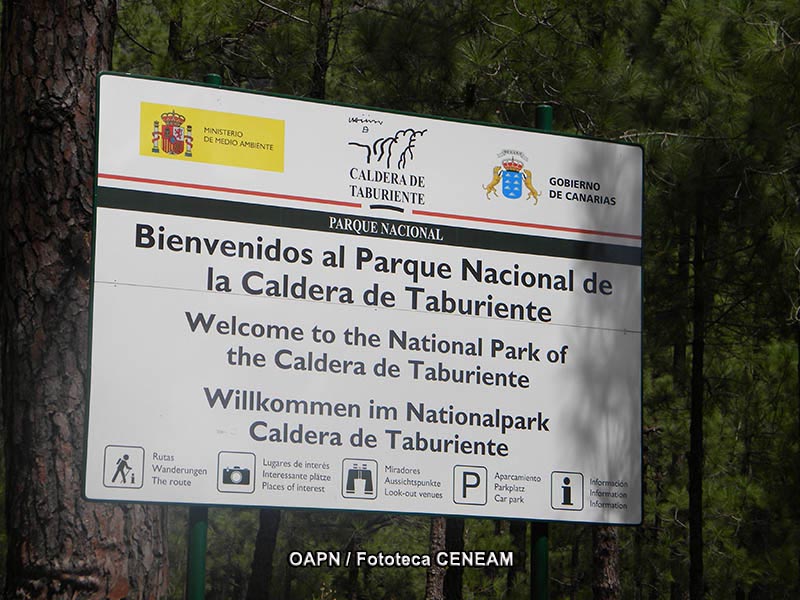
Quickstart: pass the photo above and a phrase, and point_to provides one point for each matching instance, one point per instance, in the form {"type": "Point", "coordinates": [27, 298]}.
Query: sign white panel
{"type": "Point", "coordinates": [298, 304]}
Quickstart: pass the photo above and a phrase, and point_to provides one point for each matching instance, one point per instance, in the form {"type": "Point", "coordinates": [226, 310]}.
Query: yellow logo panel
{"type": "Point", "coordinates": [208, 136]}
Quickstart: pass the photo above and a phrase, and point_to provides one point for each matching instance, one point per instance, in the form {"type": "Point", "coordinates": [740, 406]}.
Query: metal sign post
{"type": "Point", "coordinates": [196, 553]}
{"type": "Point", "coordinates": [540, 559]}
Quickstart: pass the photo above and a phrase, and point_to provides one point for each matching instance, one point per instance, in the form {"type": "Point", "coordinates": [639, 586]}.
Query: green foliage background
{"type": "Point", "coordinates": [710, 89]}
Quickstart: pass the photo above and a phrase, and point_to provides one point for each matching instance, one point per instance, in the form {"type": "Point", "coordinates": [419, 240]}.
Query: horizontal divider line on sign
{"type": "Point", "coordinates": [227, 190]}
{"type": "Point", "coordinates": [366, 226]}
{"type": "Point", "coordinates": [427, 213]}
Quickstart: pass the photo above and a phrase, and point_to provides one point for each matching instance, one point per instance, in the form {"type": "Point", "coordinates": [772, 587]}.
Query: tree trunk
{"type": "Point", "coordinates": [680, 378]}
{"type": "Point", "coordinates": [434, 583]}
{"type": "Point", "coordinates": [174, 46]}
{"type": "Point", "coordinates": [352, 571]}
{"type": "Point", "coordinates": [454, 542]}
{"type": "Point", "coordinates": [518, 530]}
{"type": "Point", "coordinates": [605, 563]}
{"type": "Point", "coordinates": [321, 59]}
{"type": "Point", "coordinates": [797, 509]}
{"type": "Point", "coordinates": [696, 410]}
{"type": "Point", "coordinates": [261, 571]}
{"type": "Point", "coordinates": [575, 574]}
{"type": "Point", "coordinates": [59, 546]}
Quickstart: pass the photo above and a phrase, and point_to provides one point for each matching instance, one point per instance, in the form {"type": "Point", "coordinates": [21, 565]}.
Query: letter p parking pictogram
{"type": "Point", "coordinates": [469, 484]}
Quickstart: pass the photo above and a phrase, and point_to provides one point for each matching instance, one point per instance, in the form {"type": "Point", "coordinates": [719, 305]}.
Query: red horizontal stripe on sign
{"type": "Point", "coordinates": [214, 188]}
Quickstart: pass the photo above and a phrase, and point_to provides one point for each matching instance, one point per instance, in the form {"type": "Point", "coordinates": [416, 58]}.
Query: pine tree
{"type": "Point", "coordinates": [60, 546]}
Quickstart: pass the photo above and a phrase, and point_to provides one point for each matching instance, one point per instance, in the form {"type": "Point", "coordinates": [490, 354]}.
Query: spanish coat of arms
{"type": "Point", "coordinates": [175, 138]}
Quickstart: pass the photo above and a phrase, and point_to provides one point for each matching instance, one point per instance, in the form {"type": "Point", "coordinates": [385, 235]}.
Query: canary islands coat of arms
{"type": "Point", "coordinates": [512, 176]}
{"type": "Point", "coordinates": [175, 138]}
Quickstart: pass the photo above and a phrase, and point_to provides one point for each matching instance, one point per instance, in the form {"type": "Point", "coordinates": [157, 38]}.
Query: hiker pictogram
{"type": "Point", "coordinates": [123, 466]}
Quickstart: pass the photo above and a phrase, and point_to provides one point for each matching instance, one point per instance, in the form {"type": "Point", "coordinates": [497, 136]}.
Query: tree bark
{"type": "Point", "coordinates": [797, 508]}
{"type": "Point", "coordinates": [454, 542]}
{"type": "Point", "coordinates": [434, 582]}
{"type": "Point", "coordinates": [353, 546]}
{"type": "Point", "coordinates": [680, 379]}
{"type": "Point", "coordinates": [174, 46]}
{"type": "Point", "coordinates": [518, 530]}
{"type": "Point", "coordinates": [696, 410]}
{"type": "Point", "coordinates": [605, 563]}
{"type": "Point", "coordinates": [59, 546]}
{"type": "Point", "coordinates": [261, 571]}
{"type": "Point", "coordinates": [321, 58]}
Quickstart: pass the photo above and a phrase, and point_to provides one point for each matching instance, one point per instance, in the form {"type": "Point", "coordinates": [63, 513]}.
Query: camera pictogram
{"type": "Point", "coordinates": [236, 475]}
{"type": "Point", "coordinates": [235, 472]}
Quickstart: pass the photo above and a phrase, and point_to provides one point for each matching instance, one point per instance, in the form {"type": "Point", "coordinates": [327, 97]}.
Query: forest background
{"type": "Point", "coordinates": [711, 89]}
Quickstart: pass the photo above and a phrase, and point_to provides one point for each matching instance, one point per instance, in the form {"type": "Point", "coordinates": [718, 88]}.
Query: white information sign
{"type": "Point", "coordinates": [298, 304]}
